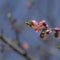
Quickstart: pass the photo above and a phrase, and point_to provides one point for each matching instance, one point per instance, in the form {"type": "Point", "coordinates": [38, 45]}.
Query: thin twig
{"type": "Point", "coordinates": [15, 48]}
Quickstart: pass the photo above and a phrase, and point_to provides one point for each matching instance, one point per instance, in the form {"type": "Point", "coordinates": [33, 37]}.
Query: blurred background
{"type": "Point", "coordinates": [23, 11]}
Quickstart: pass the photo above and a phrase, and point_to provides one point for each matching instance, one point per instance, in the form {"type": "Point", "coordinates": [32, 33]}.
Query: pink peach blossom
{"type": "Point", "coordinates": [37, 26]}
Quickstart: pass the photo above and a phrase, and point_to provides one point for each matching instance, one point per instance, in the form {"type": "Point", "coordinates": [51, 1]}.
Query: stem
{"type": "Point", "coordinates": [15, 48]}
{"type": "Point", "coordinates": [17, 38]}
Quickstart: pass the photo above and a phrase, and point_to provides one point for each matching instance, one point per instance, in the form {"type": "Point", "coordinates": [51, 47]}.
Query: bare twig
{"type": "Point", "coordinates": [15, 48]}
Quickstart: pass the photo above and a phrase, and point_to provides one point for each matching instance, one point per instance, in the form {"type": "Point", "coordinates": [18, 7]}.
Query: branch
{"type": "Point", "coordinates": [17, 39]}
{"type": "Point", "coordinates": [17, 49]}
{"type": "Point", "coordinates": [12, 22]}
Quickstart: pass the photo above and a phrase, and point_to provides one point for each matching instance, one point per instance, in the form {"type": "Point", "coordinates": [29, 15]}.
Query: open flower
{"type": "Point", "coordinates": [37, 26]}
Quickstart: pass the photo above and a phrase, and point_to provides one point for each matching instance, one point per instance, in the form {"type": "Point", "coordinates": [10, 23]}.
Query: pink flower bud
{"type": "Point", "coordinates": [43, 22]}
{"type": "Point", "coordinates": [47, 31]}
{"type": "Point", "coordinates": [25, 45]}
{"type": "Point", "coordinates": [56, 29]}
{"type": "Point", "coordinates": [56, 32]}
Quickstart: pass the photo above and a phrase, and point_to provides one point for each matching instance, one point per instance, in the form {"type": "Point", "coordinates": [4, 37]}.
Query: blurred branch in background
{"type": "Point", "coordinates": [15, 48]}
{"type": "Point", "coordinates": [32, 6]}
{"type": "Point", "coordinates": [15, 27]}
{"type": "Point", "coordinates": [19, 50]}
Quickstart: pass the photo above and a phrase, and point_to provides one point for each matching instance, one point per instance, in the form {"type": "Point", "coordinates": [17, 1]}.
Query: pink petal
{"type": "Point", "coordinates": [37, 31]}
{"type": "Point", "coordinates": [40, 24]}
{"type": "Point", "coordinates": [34, 27]}
{"type": "Point", "coordinates": [35, 22]}
{"type": "Point", "coordinates": [43, 22]}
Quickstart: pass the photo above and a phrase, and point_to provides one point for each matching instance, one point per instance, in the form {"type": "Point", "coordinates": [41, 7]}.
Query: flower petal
{"type": "Point", "coordinates": [35, 22]}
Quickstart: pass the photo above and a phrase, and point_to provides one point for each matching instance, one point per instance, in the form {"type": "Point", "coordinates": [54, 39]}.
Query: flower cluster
{"type": "Point", "coordinates": [37, 26]}
{"type": "Point", "coordinates": [43, 27]}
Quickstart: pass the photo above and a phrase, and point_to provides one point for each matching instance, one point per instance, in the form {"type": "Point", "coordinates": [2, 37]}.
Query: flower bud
{"type": "Point", "coordinates": [56, 29]}
{"type": "Point", "coordinates": [25, 45]}
{"type": "Point", "coordinates": [56, 34]}
{"type": "Point", "coordinates": [42, 35]}
{"type": "Point", "coordinates": [44, 22]}
{"type": "Point", "coordinates": [47, 31]}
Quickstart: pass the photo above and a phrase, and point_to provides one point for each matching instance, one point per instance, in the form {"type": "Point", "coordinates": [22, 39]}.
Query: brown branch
{"type": "Point", "coordinates": [17, 39]}
{"type": "Point", "coordinates": [15, 48]}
